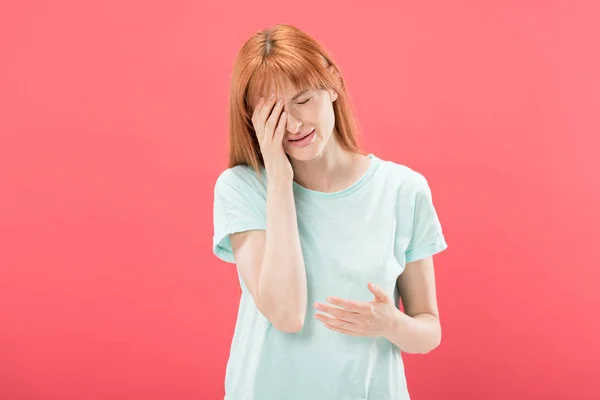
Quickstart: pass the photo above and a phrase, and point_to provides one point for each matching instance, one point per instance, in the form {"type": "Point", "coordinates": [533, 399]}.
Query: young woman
{"type": "Point", "coordinates": [326, 239]}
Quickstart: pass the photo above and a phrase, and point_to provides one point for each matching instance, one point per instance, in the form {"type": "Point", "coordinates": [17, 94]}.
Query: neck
{"type": "Point", "coordinates": [333, 170]}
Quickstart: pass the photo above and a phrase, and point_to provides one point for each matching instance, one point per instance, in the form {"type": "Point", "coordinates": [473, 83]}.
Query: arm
{"type": "Point", "coordinates": [418, 329]}
{"type": "Point", "coordinates": [271, 262]}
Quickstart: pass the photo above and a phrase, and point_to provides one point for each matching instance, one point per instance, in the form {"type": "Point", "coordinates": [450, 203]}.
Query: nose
{"type": "Point", "coordinates": [293, 124]}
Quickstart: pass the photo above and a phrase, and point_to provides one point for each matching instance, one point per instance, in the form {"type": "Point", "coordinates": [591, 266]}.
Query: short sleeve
{"type": "Point", "coordinates": [238, 206]}
{"type": "Point", "coordinates": [427, 237]}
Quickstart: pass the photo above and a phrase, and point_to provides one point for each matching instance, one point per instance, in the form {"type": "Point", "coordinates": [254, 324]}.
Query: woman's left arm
{"type": "Point", "coordinates": [418, 329]}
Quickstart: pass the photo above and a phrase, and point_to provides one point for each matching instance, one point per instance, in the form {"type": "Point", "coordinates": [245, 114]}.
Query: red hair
{"type": "Point", "coordinates": [269, 58]}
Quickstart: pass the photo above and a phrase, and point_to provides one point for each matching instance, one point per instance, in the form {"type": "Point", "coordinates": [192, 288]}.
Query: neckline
{"type": "Point", "coordinates": [344, 192]}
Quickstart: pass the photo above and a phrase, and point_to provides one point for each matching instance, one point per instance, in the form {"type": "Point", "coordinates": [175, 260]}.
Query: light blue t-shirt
{"type": "Point", "coordinates": [365, 233]}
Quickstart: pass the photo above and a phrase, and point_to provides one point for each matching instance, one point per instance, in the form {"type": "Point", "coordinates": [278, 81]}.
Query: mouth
{"type": "Point", "coordinates": [303, 140]}
{"type": "Point", "coordinates": [302, 136]}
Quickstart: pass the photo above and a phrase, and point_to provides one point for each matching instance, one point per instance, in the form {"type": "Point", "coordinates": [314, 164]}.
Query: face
{"type": "Point", "coordinates": [308, 111]}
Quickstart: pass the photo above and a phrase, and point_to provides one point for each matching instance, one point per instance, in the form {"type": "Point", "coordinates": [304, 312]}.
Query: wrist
{"type": "Point", "coordinates": [279, 178]}
{"type": "Point", "coordinates": [279, 185]}
{"type": "Point", "coordinates": [397, 324]}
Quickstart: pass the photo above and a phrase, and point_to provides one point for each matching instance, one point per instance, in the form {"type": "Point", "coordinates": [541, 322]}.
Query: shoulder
{"type": "Point", "coordinates": [405, 178]}
{"type": "Point", "coordinates": [241, 177]}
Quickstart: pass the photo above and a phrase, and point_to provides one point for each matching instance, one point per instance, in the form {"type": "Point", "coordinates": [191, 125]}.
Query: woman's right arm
{"type": "Point", "coordinates": [271, 262]}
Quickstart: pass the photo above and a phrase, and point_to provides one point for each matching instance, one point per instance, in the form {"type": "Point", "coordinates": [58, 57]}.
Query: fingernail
{"type": "Point", "coordinates": [279, 102]}
{"type": "Point", "coordinates": [317, 306]}
{"type": "Point", "coordinates": [272, 96]}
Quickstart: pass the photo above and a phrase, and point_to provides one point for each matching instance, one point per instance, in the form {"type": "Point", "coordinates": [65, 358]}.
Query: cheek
{"type": "Point", "coordinates": [327, 115]}
{"type": "Point", "coordinates": [316, 112]}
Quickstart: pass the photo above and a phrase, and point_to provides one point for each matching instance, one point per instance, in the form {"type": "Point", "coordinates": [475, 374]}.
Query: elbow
{"type": "Point", "coordinates": [430, 348]}
{"type": "Point", "coordinates": [426, 343]}
{"type": "Point", "coordinates": [284, 320]}
{"type": "Point", "coordinates": [434, 338]}
{"type": "Point", "coordinates": [288, 325]}
{"type": "Point", "coordinates": [287, 321]}
{"type": "Point", "coordinates": [433, 344]}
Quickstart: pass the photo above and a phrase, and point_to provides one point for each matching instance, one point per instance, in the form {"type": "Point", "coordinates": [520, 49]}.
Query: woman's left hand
{"type": "Point", "coordinates": [374, 318]}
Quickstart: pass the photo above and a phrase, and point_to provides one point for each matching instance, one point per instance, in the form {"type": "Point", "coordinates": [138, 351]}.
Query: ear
{"type": "Point", "coordinates": [333, 94]}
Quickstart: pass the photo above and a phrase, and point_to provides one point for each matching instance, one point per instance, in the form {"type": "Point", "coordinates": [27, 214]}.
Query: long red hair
{"type": "Point", "coordinates": [269, 58]}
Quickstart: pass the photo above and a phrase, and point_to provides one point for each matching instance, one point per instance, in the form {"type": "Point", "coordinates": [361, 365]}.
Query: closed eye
{"type": "Point", "coordinates": [305, 101]}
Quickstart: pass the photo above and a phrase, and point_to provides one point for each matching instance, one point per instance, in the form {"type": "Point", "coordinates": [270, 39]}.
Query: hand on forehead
{"type": "Point", "coordinates": [282, 89]}
{"type": "Point", "coordinates": [288, 94]}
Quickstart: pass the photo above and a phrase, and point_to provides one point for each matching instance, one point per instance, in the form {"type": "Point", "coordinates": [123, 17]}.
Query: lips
{"type": "Point", "coordinates": [302, 136]}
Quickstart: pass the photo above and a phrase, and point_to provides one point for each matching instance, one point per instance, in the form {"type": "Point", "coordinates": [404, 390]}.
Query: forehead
{"type": "Point", "coordinates": [282, 87]}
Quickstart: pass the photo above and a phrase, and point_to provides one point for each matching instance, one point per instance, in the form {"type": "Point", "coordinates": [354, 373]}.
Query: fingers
{"type": "Point", "coordinates": [339, 313]}
{"type": "Point", "coordinates": [341, 330]}
{"type": "Point", "coordinates": [262, 110]}
{"type": "Point", "coordinates": [336, 322]}
{"type": "Point", "coordinates": [278, 136]}
{"type": "Point", "coordinates": [266, 108]}
{"type": "Point", "coordinates": [350, 305]}
{"type": "Point", "coordinates": [273, 120]}
{"type": "Point", "coordinates": [378, 292]}
{"type": "Point", "coordinates": [266, 116]}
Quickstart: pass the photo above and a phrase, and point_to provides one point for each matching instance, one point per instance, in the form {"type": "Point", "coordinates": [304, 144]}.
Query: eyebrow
{"type": "Point", "coordinates": [300, 94]}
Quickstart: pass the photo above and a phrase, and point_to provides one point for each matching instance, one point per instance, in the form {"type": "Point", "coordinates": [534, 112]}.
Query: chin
{"type": "Point", "coordinates": [309, 152]}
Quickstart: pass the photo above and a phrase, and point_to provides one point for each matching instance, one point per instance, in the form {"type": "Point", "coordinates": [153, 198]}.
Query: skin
{"type": "Point", "coordinates": [324, 166]}
{"type": "Point", "coordinates": [306, 110]}
{"type": "Point", "coordinates": [417, 330]}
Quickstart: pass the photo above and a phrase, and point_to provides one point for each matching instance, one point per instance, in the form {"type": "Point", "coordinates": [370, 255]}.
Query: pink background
{"type": "Point", "coordinates": [113, 131]}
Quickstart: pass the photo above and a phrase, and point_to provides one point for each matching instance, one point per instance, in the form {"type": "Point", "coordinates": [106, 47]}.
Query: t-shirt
{"type": "Point", "coordinates": [364, 233]}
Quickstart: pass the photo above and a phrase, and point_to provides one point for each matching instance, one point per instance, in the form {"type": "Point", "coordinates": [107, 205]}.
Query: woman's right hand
{"type": "Point", "coordinates": [270, 129]}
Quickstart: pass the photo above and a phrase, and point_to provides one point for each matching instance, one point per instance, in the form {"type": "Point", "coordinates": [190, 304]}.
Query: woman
{"type": "Point", "coordinates": [325, 237]}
